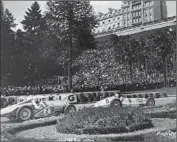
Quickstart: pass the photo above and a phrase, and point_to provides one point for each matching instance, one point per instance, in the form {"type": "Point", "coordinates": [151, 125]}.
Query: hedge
{"type": "Point", "coordinates": [106, 130]}
{"type": "Point", "coordinates": [102, 120]}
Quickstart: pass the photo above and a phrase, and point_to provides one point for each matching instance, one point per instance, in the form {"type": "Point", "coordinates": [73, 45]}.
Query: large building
{"type": "Point", "coordinates": [132, 13]}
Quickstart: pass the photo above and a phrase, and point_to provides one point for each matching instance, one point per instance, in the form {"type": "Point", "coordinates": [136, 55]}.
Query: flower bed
{"type": "Point", "coordinates": [104, 120]}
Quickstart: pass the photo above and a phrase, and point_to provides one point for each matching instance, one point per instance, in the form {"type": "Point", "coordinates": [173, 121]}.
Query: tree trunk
{"type": "Point", "coordinates": [125, 77]}
{"type": "Point", "coordinates": [165, 71]}
{"type": "Point", "coordinates": [70, 60]}
{"type": "Point", "coordinates": [145, 68]}
{"type": "Point", "coordinates": [131, 71]}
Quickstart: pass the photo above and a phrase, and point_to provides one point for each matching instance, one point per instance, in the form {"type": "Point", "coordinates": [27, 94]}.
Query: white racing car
{"type": "Point", "coordinates": [36, 107]}
{"type": "Point", "coordinates": [113, 101]}
{"type": "Point", "coordinates": [131, 99]}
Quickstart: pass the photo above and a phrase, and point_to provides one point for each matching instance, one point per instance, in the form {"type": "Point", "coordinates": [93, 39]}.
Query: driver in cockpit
{"type": "Point", "coordinates": [38, 104]}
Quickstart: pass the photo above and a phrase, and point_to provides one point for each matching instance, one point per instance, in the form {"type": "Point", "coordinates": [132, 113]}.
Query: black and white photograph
{"type": "Point", "coordinates": [78, 70]}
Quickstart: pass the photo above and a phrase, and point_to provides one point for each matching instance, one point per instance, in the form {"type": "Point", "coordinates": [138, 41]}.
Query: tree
{"type": "Point", "coordinates": [164, 42]}
{"type": "Point", "coordinates": [33, 42]}
{"type": "Point", "coordinates": [75, 20]}
{"type": "Point", "coordinates": [34, 20]}
{"type": "Point", "coordinates": [7, 44]}
{"type": "Point", "coordinates": [126, 51]}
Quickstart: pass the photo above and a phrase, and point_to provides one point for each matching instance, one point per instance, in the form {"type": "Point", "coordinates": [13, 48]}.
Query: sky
{"type": "Point", "coordinates": [18, 8]}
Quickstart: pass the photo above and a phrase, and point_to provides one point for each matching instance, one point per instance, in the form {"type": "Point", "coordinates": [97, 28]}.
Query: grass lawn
{"type": "Point", "coordinates": [49, 132]}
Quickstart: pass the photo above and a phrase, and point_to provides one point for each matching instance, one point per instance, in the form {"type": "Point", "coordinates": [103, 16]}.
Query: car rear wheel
{"type": "Point", "coordinates": [150, 102]}
{"type": "Point", "coordinates": [24, 114]}
{"type": "Point", "coordinates": [70, 109]}
{"type": "Point", "coordinates": [116, 104]}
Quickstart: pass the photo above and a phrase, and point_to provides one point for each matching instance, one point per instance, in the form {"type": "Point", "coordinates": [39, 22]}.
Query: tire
{"type": "Point", "coordinates": [24, 113]}
{"type": "Point", "coordinates": [150, 102]}
{"type": "Point", "coordinates": [116, 104]}
{"type": "Point", "coordinates": [69, 109]}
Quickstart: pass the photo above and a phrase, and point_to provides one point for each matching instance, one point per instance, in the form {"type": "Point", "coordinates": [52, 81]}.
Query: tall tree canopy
{"type": "Point", "coordinates": [75, 21]}
{"type": "Point", "coordinates": [7, 44]}
{"type": "Point", "coordinates": [34, 20]}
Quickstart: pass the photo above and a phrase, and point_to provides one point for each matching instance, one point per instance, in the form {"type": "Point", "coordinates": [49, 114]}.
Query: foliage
{"type": "Point", "coordinates": [33, 19]}
{"type": "Point", "coordinates": [74, 21]}
{"type": "Point", "coordinates": [7, 44]}
{"type": "Point", "coordinates": [98, 118]}
{"type": "Point", "coordinates": [43, 50]}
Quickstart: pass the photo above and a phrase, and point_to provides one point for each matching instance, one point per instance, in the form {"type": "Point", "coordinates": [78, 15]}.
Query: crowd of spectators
{"type": "Point", "coordinates": [99, 67]}
{"type": "Point", "coordinates": [29, 90]}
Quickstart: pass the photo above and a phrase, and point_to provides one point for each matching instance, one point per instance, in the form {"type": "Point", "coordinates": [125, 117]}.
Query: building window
{"type": "Point", "coordinates": [139, 19]}
{"type": "Point", "coordinates": [150, 10]}
{"type": "Point", "coordinates": [150, 3]}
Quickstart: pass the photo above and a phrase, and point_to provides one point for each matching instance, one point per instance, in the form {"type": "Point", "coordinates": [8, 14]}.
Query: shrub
{"type": "Point", "coordinates": [100, 119]}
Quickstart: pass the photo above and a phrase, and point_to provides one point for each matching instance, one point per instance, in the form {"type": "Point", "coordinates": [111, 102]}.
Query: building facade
{"type": "Point", "coordinates": [130, 14]}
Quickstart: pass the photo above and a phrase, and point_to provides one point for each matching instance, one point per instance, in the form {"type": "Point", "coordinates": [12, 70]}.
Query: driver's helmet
{"type": "Point", "coordinates": [29, 97]}
{"type": "Point", "coordinates": [117, 95]}
{"type": "Point", "coordinates": [36, 100]}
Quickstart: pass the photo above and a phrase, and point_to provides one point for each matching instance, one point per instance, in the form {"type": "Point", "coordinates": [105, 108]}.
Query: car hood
{"type": "Point", "coordinates": [104, 102]}
{"type": "Point", "coordinates": [11, 108]}
{"type": "Point", "coordinates": [8, 109]}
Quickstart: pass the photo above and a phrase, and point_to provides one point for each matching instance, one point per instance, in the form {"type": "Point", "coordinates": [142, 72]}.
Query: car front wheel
{"type": "Point", "coordinates": [150, 102]}
{"type": "Point", "coordinates": [24, 114]}
{"type": "Point", "coordinates": [69, 109]}
{"type": "Point", "coordinates": [116, 104]}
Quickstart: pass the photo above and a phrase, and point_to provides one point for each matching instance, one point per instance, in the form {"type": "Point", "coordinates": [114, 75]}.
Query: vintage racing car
{"type": "Point", "coordinates": [113, 101]}
{"type": "Point", "coordinates": [37, 108]}
{"type": "Point", "coordinates": [142, 98]}
{"type": "Point", "coordinates": [130, 99]}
